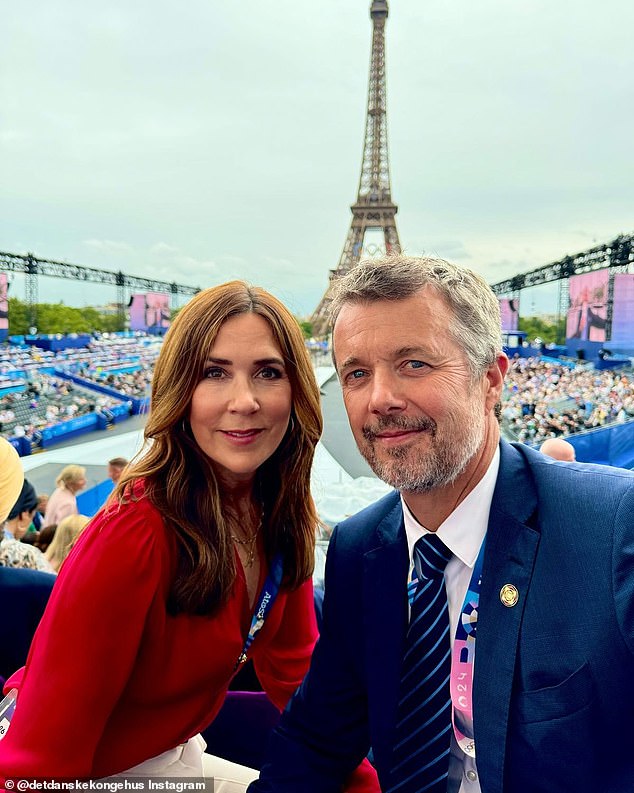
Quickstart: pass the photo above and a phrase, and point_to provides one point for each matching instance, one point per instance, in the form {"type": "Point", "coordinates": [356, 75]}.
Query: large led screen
{"type": "Point", "coordinates": [150, 312]}
{"type": "Point", "coordinates": [509, 313]}
{"type": "Point", "coordinates": [623, 310]}
{"type": "Point", "coordinates": [4, 303]}
{"type": "Point", "coordinates": [588, 310]}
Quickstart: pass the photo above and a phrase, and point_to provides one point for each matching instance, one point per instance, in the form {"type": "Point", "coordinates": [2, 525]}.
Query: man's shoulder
{"type": "Point", "coordinates": [384, 515]}
{"type": "Point", "coordinates": [591, 475]}
{"type": "Point", "coordinates": [580, 489]}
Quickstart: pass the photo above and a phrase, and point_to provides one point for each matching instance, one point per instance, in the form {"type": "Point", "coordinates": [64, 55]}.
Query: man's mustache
{"type": "Point", "coordinates": [370, 433]}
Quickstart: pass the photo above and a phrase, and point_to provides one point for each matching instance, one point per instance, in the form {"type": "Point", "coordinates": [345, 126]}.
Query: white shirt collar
{"type": "Point", "coordinates": [465, 528]}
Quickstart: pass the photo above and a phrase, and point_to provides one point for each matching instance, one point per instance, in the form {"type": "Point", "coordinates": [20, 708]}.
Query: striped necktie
{"type": "Point", "coordinates": [420, 761]}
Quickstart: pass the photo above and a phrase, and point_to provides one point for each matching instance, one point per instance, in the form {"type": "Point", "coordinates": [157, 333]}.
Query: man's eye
{"type": "Point", "coordinates": [356, 374]}
{"type": "Point", "coordinates": [416, 364]}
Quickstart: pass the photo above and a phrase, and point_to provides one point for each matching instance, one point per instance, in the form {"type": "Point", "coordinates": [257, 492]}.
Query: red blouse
{"type": "Point", "coordinates": [112, 679]}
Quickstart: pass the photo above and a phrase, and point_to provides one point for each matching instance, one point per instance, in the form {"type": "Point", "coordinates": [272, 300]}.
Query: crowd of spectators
{"type": "Point", "coordinates": [44, 399]}
{"type": "Point", "coordinates": [546, 399]}
{"type": "Point", "coordinates": [543, 398]}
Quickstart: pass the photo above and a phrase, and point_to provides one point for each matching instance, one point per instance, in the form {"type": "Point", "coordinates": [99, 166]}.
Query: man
{"type": "Point", "coordinates": [546, 707]}
{"type": "Point", "coordinates": [115, 468]}
{"type": "Point", "coordinates": [558, 449]}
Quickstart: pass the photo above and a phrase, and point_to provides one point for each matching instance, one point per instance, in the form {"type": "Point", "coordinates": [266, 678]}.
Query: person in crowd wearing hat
{"type": "Point", "coordinates": [11, 480]}
{"type": "Point", "coordinates": [14, 553]}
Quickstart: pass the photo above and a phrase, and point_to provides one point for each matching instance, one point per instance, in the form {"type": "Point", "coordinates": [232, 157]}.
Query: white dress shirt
{"type": "Point", "coordinates": [463, 533]}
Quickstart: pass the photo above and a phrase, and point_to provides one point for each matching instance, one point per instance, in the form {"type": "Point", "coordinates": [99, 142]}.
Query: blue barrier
{"type": "Point", "coordinates": [611, 363]}
{"type": "Point", "coordinates": [68, 429]}
{"type": "Point", "coordinates": [54, 343]}
{"type": "Point", "coordinates": [91, 385]}
{"type": "Point", "coordinates": [90, 501]}
{"type": "Point", "coordinates": [140, 406]}
{"type": "Point", "coordinates": [613, 445]}
{"type": "Point", "coordinates": [12, 389]}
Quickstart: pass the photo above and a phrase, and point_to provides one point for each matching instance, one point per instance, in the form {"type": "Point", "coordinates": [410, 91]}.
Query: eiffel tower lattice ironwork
{"type": "Point", "coordinates": [374, 208]}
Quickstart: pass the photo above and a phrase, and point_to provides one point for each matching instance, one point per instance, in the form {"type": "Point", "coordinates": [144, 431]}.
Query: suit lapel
{"type": "Point", "coordinates": [385, 617]}
{"type": "Point", "coordinates": [511, 547]}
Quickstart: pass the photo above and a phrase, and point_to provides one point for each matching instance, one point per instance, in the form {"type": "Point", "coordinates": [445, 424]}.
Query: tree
{"type": "Point", "coordinates": [537, 328]}
{"type": "Point", "coordinates": [307, 328]}
{"type": "Point", "coordinates": [18, 317]}
{"type": "Point", "coordinates": [58, 318]}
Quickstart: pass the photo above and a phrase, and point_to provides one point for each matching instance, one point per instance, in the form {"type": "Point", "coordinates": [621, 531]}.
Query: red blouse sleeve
{"type": "Point", "coordinates": [282, 667]}
{"type": "Point", "coordinates": [85, 646]}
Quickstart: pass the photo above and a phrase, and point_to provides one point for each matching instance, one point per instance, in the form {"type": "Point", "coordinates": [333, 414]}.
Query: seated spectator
{"type": "Point", "coordinates": [67, 532]}
{"type": "Point", "coordinates": [42, 502]}
{"type": "Point", "coordinates": [14, 553]}
{"type": "Point", "coordinates": [63, 502]}
{"type": "Point", "coordinates": [45, 537]}
{"type": "Point", "coordinates": [558, 449]}
{"type": "Point", "coordinates": [115, 467]}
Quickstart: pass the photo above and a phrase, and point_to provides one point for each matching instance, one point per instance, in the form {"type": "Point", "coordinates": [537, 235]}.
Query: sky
{"type": "Point", "coordinates": [203, 141]}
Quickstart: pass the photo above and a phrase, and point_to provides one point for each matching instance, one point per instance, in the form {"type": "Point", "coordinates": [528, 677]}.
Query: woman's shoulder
{"type": "Point", "coordinates": [132, 523]}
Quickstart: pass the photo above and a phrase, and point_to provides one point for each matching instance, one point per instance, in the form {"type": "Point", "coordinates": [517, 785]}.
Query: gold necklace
{"type": "Point", "coordinates": [249, 543]}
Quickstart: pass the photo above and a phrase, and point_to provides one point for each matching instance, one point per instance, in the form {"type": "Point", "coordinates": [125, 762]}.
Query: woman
{"type": "Point", "coordinates": [153, 609]}
{"type": "Point", "coordinates": [64, 538]}
{"type": "Point", "coordinates": [63, 502]}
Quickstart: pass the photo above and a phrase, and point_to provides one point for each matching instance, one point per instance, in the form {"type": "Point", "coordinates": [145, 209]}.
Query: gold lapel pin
{"type": "Point", "coordinates": [509, 595]}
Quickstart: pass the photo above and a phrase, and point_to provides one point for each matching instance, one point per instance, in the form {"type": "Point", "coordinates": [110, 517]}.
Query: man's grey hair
{"type": "Point", "coordinates": [476, 325]}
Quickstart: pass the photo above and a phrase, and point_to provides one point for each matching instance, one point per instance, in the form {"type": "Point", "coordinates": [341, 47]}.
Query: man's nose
{"type": "Point", "coordinates": [386, 395]}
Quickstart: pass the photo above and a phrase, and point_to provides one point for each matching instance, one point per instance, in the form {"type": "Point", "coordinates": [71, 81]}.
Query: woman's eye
{"type": "Point", "coordinates": [270, 373]}
{"type": "Point", "coordinates": [213, 373]}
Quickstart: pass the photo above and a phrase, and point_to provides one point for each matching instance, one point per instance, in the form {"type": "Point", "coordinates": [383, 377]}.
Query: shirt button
{"type": "Point", "coordinates": [471, 775]}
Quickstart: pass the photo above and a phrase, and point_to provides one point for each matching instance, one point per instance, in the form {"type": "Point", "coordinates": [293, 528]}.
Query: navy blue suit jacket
{"type": "Point", "coordinates": [553, 696]}
{"type": "Point", "coordinates": [23, 597]}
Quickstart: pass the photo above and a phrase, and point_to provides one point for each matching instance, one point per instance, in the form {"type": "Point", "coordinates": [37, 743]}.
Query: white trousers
{"type": "Point", "coordinates": [190, 760]}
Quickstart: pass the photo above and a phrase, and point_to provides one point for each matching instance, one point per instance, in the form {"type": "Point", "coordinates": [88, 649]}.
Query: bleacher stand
{"type": "Point", "coordinates": [546, 399]}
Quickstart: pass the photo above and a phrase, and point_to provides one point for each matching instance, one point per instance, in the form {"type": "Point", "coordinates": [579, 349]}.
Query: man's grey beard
{"type": "Point", "coordinates": [413, 470]}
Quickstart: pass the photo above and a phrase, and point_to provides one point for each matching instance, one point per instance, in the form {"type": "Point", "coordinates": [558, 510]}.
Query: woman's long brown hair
{"type": "Point", "coordinates": [179, 478]}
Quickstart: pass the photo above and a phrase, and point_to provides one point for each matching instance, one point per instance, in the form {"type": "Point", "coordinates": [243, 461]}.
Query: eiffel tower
{"type": "Point", "coordinates": [374, 208]}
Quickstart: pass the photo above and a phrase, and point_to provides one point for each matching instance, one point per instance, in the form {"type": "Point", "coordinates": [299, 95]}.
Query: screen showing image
{"type": "Point", "coordinates": [588, 310]}
{"type": "Point", "coordinates": [150, 312]}
{"type": "Point", "coordinates": [509, 313]}
{"type": "Point", "coordinates": [4, 302]}
{"type": "Point", "coordinates": [623, 309]}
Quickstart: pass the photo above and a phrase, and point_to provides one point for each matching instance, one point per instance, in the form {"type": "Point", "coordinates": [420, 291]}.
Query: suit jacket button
{"type": "Point", "coordinates": [471, 775]}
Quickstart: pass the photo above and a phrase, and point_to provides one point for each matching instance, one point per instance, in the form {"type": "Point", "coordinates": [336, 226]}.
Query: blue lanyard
{"type": "Point", "coordinates": [463, 655]}
{"type": "Point", "coordinates": [265, 601]}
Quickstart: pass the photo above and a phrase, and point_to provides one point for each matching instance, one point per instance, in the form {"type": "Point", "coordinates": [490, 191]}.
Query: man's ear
{"type": "Point", "coordinates": [495, 380]}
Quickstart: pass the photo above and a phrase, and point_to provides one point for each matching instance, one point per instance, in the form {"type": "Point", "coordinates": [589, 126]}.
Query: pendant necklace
{"type": "Point", "coordinates": [249, 542]}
